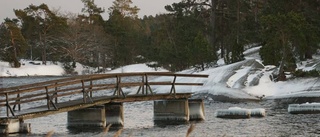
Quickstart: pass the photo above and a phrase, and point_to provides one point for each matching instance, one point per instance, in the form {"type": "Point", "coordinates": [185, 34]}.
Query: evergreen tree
{"type": "Point", "coordinates": [47, 25]}
{"type": "Point", "coordinates": [123, 25]}
{"type": "Point", "coordinates": [284, 33]}
{"type": "Point", "coordinates": [13, 44]}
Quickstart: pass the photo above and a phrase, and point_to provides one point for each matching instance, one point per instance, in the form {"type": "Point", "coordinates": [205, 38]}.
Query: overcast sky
{"type": "Point", "coordinates": [147, 7]}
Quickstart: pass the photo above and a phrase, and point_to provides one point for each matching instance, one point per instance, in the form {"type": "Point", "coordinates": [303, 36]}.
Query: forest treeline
{"type": "Point", "coordinates": [194, 33]}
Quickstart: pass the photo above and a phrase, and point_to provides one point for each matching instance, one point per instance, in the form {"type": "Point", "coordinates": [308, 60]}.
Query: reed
{"type": "Point", "coordinates": [190, 129]}
{"type": "Point", "coordinates": [50, 133]}
{"type": "Point", "coordinates": [118, 133]}
{"type": "Point", "coordinates": [105, 130]}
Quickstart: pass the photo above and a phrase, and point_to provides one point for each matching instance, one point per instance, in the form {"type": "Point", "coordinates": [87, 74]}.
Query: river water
{"type": "Point", "coordinates": [138, 119]}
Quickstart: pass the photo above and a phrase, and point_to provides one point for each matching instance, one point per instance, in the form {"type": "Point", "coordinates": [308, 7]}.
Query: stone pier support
{"type": "Point", "coordinates": [14, 126]}
{"type": "Point", "coordinates": [114, 114]}
{"type": "Point", "coordinates": [168, 111]}
{"type": "Point", "coordinates": [88, 117]}
{"type": "Point", "coordinates": [196, 109]}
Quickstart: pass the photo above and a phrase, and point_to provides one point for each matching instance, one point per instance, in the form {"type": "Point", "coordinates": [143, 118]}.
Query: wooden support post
{"type": "Point", "coordinates": [173, 89]}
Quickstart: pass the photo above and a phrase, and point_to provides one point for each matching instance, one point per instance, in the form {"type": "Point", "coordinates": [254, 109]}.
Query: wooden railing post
{"type": "Point", "coordinates": [148, 88]}
{"type": "Point", "coordinates": [56, 93]}
{"type": "Point", "coordinates": [83, 92]}
{"type": "Point", "coordinates": [17, 100]}
{"type": "Point", "coordinates": [8, 106]}
{"type": "Point", "coordinates": [19, 105]}
{"type": "Point", "coordinates": [144, 83]}
{"type": "Point", "coordinates": [147, 84]}
{"type": "Point", "coordinates": [48, 98]}
{"type": "Point", "coordinates": [91, 87]}
{"type": "Point", "coordinates": [118, 89]}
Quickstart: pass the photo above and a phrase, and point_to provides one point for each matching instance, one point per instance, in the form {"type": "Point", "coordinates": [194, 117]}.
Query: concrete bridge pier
{"type": "Point", "coordinates": [88, 117]}
{"type": "Point", "coordinates": [196, 109]}
{"type": "Point", "coordinates": [14, 126]}
{"type": "Point", "coordinates": [96, 116]}
{"type": "Point", "coordinates": [114, 114]}
{"type": "Point", "coordinates": [171, 111]}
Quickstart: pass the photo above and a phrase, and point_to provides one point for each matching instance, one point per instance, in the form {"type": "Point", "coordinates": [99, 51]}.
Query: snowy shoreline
{"type": "Point", "coordinates": [245, 80]}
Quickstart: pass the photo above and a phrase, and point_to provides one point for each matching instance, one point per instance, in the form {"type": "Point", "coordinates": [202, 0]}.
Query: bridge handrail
{"type": "Point", "coordinates": [99, 76]}
{"type": "Point", "coordinates": [49, 91]}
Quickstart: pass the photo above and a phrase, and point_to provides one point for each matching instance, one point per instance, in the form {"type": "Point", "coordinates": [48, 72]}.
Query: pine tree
{"type": "Point", "coordinates": [13, 43]}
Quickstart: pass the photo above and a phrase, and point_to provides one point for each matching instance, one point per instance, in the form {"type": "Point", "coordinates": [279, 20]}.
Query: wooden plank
{"type": "Point", "coordinates": [69, 93]}
{"type": "Point", "coordinates": [160, 83]}
{"type": "Point", "coordinates": [179, 75]}
{"type": "Point", "coordinates": [131, 84]}
{"type": "Point", "coordinates": [188, 84]}
{"type": "Point", "coordinates": [29, 100]}
{"type": "Point", "coordinates": [26, 96]}
{"type": "Point", "coordinates": [170, 83]}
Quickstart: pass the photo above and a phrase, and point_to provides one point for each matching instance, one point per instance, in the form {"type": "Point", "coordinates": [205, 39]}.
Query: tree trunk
{"type": "Point", "coordinates": [44, 52]}
{"type": "Point", "coordinates": [16, 63]}
{"type": "Point", "coordinates": [282, 76]}
{"type": "Point", "coordinates": [213, 20]}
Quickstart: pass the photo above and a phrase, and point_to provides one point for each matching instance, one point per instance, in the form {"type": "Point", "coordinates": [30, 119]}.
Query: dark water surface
{"type": "Point", "coordinates": [139, 122]}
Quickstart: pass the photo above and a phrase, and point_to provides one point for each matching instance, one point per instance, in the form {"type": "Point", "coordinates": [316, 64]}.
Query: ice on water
{"type": "Point", "coordinates": [304, 107]}
{"type": "Point", "coordinates": [236, 111]}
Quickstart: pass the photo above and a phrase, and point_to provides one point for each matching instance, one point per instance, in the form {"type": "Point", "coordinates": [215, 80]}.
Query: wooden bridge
{"type": "Point", "coordinates": [73, 93]}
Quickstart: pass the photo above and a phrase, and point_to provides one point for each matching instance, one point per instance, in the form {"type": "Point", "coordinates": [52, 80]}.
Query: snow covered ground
{"type": "Point", "coordinates": [248, 79]}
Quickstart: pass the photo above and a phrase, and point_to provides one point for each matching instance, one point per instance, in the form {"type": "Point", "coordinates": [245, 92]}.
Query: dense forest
{"type": "Point", "coordinates": [194, 33]}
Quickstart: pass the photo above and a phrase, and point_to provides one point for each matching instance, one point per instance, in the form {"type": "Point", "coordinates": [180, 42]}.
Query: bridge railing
{"type": "Point", "coordinates": [84, 87]}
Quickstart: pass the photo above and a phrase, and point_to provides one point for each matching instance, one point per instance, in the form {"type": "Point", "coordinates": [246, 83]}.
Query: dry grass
{"type": "Point", "coordinates": [190, 129]}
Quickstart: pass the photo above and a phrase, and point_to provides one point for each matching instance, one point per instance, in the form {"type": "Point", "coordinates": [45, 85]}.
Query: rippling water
{"type": "Point", "coordinates": [139, 123]}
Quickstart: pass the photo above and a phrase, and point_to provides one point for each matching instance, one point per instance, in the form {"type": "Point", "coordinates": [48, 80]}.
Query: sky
{"type": "Point", "coordinates": [147, 7]}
